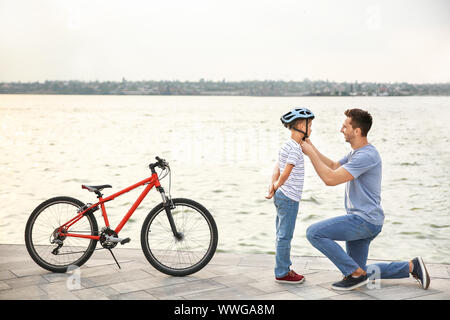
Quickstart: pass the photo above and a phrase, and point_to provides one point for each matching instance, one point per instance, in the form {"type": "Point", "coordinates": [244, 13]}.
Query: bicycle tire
{"type": "Point", "coordinates": [40, 250]}
{"type": "Point", "coordinates": [156, 225]}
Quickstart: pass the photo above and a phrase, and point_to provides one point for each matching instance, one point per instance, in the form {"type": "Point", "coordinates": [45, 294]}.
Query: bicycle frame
{"type": "Point", "coordinates": [153, 181]}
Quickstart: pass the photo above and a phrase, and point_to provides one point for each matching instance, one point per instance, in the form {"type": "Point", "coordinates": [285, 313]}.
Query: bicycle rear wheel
{"type": "Point", "coordinates": [42, 240]}
{"type": "Point", "coordinates": [185, 255]}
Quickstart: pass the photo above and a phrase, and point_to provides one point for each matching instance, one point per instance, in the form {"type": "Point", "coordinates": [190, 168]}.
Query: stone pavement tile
{"type": "Point", "coordinates": [109, 279]}
{"type": "Point", "coordinates": [227, 259]}
{"type": "Point", "coordinates": [104, 262]}
{"type": "Point", "coordinates": [10, 258]}
{"type": "Point", "coordinates": [237, 270]}
{"type": "Point", "coordinates": [233, 280]}
{"type": "Point", "coordinates": [13, 265]}
{"type": "Point", "coordinates": [408, 282]}
{"type": "Point", "coordinates": [4, 286]}
{"type": "Point", "coordinates": [184, 289]}
{"type": "Point", "coordinates": [58, 291]}
{"type": "Point", "coordinates": [317, 277]}
{"type": "Point", "coordinates": [241, 292]}
{"type": "Point", "coordinates": [27, 270]}
{"type": "Point", "coordinates": [134, 264]}
{"type": "Point", "coordinates": [438, 271]}
{"type": "Point", "coordinates": [123, 253]}
{"type": "Point", "coordinates": [311, 292]}
{"type": "Point", "coordinates": [23, 293]}
{"type": "Point", "coordinates": [25, 281]}
{"type": "Point", "coordinates": [270, 286]}
{"type": "Point", "coordinates": [256, 273]}
{"type": "Point", "coordinates": [257, 260]}
{"type": "Point", "coordinates": [147, 283]}
{"type": "Point", "coordinates": [372, 285]}
{"type": "Point", "coordinates": [6, 274]}
{"type": "Point", "coordinates": [435, 296]}
{"type": "Point", "coordinates": [299, 262]}
{"type": "Point", "coordinates": [97, 293]}
{"type": "Point", "coordinates": [440, 284]}
{"type": "Point", "coordinates": [317, 263]}
{"type": "Point", "coordinates": [99, 271]}
{"type": "Point", "coordinates": [204, 273]}
{"type": "Point", "coordinates": [56, 276]}
{"type": "Point", "coordinates": [398, 292]}
{"type": "Point", "coordinates": [442, 287]}
{"type": "Point", "coordinates": [136, 295]}
{"type": "Point", "coordinates": [353, 295]}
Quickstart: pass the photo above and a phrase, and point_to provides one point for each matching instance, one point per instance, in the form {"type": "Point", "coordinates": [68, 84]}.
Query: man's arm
{"type": "Point", "coordinates": [328, 162]}
{"type": "Point", "coordinates": [331, 177]}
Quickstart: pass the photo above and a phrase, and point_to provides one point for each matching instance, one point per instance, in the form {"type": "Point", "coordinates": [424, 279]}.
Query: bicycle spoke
{"type": "Point", "coordinates": [185, 253]}
{"type": "Point", "coordinates": [42, 233]}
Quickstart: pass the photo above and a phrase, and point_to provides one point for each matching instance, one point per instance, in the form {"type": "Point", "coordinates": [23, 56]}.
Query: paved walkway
{"type": "Point", "coordinates": [227, 276]}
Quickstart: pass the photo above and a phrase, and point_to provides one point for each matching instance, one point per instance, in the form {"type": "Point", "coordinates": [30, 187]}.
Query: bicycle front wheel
{"type": "Point", "coordinates": [188, 253]}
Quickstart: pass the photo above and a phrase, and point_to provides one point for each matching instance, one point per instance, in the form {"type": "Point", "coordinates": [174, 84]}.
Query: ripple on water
{"type": "Point", "coordinates": [435, 226]}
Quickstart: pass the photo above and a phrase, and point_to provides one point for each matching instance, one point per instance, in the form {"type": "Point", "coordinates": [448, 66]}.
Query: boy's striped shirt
{"type": "Point", "coordinates": [291, 152]}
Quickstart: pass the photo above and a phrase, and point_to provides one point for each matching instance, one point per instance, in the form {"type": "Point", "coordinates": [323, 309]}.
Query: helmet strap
{"type": "Point", "coordinates": [305, 135]}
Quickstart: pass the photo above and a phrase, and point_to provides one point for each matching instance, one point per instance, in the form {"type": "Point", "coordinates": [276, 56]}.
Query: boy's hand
{"type": "Point", "coordinates": [271, 191]}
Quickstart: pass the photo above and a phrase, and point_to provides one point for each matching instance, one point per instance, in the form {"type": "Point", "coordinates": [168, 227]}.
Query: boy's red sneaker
{"type": "Point", "coordinates": [291, 277]}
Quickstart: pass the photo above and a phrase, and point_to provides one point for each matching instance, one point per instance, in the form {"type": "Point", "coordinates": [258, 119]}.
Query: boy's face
{"type": "Point", "coordinates": [301, 125]}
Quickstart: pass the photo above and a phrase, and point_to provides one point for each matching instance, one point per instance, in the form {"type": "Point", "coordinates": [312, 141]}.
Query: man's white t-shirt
{"type": "Point", "coordinates": [291, 152]}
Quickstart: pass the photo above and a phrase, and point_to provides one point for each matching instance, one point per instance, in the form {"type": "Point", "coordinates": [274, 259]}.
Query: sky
{"type": "Point", "coordinates": [235, 40]}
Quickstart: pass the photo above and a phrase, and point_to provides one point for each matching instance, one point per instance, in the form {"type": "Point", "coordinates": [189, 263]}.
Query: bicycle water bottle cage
{"type": "Point", "coordinates": [96, 189]}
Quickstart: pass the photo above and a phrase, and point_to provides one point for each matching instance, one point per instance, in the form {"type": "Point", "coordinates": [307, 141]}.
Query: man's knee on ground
{"type": "Point", "coordinates": [311, 233]}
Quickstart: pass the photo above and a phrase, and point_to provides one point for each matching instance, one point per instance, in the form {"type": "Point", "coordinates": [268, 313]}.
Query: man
{"type": "Point", "coordinates": [361, 171]}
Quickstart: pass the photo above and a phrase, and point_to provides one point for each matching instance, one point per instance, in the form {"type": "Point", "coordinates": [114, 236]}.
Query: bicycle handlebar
{"type": "Point", "coordinates": [161, 163]}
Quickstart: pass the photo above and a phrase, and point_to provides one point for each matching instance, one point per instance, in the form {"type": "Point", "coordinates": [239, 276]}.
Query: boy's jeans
{"type": "Point", "coordinates": [287, 210]}
{"type": "Point", "coordinates": [357, 234]}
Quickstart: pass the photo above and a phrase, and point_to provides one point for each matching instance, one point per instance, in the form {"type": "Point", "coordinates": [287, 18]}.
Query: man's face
{"type": "Point", "coordinates": [347, 130]}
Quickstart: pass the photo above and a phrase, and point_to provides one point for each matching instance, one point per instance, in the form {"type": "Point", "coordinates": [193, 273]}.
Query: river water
{"type": "Point", "coordinates": [222, 151]}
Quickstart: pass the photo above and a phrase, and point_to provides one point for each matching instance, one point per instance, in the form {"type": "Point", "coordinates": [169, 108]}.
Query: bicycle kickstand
{"type": "Point", "coordinates": [114, 258]}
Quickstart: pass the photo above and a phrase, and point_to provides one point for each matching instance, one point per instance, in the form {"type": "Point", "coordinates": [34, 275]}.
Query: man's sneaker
{"type": "Point", "coordinates": [291, 277]}
{"type": "Point", "coordinates": [420, 272]}
{"type": "Point", "coordinates": [350, 283]}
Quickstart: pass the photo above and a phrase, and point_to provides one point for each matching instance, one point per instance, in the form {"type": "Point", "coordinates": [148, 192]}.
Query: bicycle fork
{"type": "Point", "coordinates": [168, 206]}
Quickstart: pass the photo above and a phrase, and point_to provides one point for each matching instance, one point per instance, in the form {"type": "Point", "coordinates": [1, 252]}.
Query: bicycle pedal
{"type": "Point", "coordinates": [124, 241]}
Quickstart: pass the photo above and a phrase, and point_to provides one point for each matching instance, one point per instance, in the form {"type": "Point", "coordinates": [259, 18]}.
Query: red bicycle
{"type": "Point", "coordinates": [178, 237]}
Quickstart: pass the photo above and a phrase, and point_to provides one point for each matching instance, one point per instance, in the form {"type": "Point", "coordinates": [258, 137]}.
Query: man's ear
{"type": "Point", "coordinates": [358, 131]}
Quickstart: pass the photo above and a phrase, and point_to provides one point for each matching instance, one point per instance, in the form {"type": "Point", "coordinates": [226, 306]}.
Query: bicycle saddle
{"type": "Point", "coordinates": [95, 188]}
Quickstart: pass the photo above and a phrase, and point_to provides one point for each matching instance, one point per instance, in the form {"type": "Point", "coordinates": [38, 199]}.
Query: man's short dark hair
{"type": "Point", "coordinates": [360, 119]}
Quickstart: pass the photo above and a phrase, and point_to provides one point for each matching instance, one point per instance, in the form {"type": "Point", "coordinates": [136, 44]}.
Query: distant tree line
{"type": "Point", "coordinates": [239, 88]}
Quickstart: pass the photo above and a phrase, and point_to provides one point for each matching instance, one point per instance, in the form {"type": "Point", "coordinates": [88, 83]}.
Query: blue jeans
{"type": "Point", "coordinates": [287, 210]}
{"type": "Point", "coordinates": [357, 234]}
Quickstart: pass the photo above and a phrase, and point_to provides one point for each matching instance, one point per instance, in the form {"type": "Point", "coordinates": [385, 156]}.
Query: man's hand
{"type": "Point", "coordinates": [307, 147]}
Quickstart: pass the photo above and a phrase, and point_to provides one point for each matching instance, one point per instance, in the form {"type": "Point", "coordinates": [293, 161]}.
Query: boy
{"type": "Point", "coordinates": [286, 189]}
